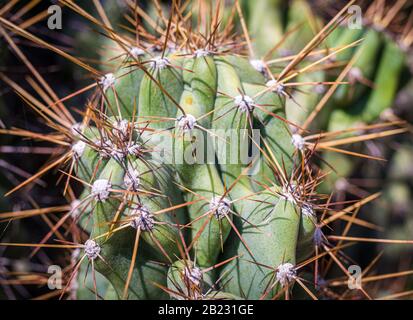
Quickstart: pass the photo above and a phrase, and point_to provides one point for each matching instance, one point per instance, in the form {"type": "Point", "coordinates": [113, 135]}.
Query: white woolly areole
{"type": "Point", "coordinates": [160, 63]}
{"type": "Point", "coordinates": [275, 86]}
{"type": "Point", "coordinates": [289, 192]}
{"type": "Point", "coordinates": [186, 122]}
{"type": "Point", "coordinates": [285, 273]}
{"type": "Point", "coordinates": [131, 179]}
{"type": "Point", "coordinates": [320, 88]}
{"type": "Point", "coordinates": [355, 74]}
{"type": "Point", "coordinates": [201, 53]}
{"type": "Point", "coordinates": [341, 184]}
{"type": "Point", "coordinates": [79, 148]}
{"type": "Point", "coordinates": [92, 249]}
{"type": "Point", "coordinates": [307, 210]}
{"type": "Point", "coordinates": [117, 154]}
{"type": "Point", "coordinates": [100, 189]}
{"type": "Point", "coordinates": [143, 219]}
{"type": "Point", "coordinates": [136, 52]}
{"type": "Point", "coordinates": [107, 81]}
{"type": "Point", "coordinates": [75, 208]}
{"type": "Point", "coordinates": [135, 149]}
{"type": "Point", "coordinates": [121, 129]}
{"type": "Point", "coordinates": [387, 114]}
{"type": "Point", "coordinates": [298, 141]}
{"type": "Point", "coordinates": [258, 65]}
{"type": "Point", "coordinates": [193, 275]}
{"type": "Point", "coordinates": [244, 103]}
{"type": "Point", "coordinates": [220, 207]}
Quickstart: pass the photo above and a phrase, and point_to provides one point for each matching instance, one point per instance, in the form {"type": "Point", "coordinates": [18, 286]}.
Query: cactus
{"type": "Point", "coordinates": [167, 210]}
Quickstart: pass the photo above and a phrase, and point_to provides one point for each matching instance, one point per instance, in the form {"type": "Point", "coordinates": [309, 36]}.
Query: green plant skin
{"type": "Point", "coordinates": [117, 250]}
{"type": "Point", "coordinates": [386, 82]}
{"type": "Point", "coordinates": [130, 80]}
{"type": "Point", "coordinates": [301, 15]}
{"type": "Point", "coordinates": [272, 243]}
{"type": "Point", "coordinates": [85, 284]}
{"type": "Point", "coordinates": [111, 294]}
{"type": "Point", "coordinates": [281, 149]}
{"type": "Point", "coordinates": [90, 163]}
{"type": "Point", "coordinates": [177, 284]}
{"type": "Point", "coordinates": [85, 220]}
{"type": "Point", "coordinates": [264, 19]}
{"type": "Point", "coordinates": [153, 102]}
{"type": "Point", "coordinates": [204, 181]}
{"type": "Point", "coordinates": [163, 235]}
{"type": "Point", "coordinates": [227, 117]}
{"type": "Point", "coordinates": [381, 98]}
{"type": "Point", "coordinates": [275, 132]}
{"type": "Point", "coordinates": [204, 86]}
{"type": "Point", "coordinates": [244, 70]}
{"type": "Point", "coordinates": [117, 253]}
{"type": "Point", "coordinates": [366, 61]}
{"type": "Point", "coordinates": [277, 231]}
{"type": "Point", "coordinates": [344, 167]}
{"type": "Point", "coordinates": [334, 36]}
{"type": "Point", "coordinates": [105, 211]}
{"type": "Point", "coordinates": [347, 37]}
{"type": "Point", "coordinates": [305, 244]}
{"type": "Point", "coordinates": [304, 102]}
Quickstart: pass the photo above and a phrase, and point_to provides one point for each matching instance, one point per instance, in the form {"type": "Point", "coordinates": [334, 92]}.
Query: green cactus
{"type": "Point", "coordinates": [207, 188]}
